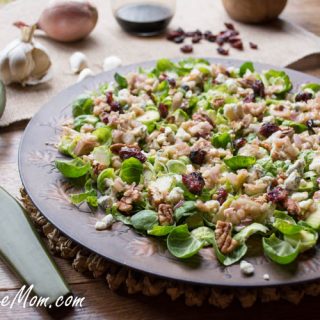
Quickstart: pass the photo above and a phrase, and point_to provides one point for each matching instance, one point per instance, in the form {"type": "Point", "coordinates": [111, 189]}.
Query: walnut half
{"type": "Point", "coordinates": [223, 237]}
{"type": "Point", "coordinates": [131, 195]}
{"type": "Point", "coordinates": [165, 214]}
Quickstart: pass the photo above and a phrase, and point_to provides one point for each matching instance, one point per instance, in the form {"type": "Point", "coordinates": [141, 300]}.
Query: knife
{"type": "Point", "coordinates": [22, 249]}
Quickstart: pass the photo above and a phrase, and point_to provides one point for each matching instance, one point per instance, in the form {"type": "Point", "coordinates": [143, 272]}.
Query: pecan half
{"type": "Point", "coordinates": [223, 237]}
{"type": "Point", "coordinates": [165, 214]}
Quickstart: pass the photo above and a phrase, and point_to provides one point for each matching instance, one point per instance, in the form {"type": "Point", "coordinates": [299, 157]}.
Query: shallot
{"type": "Point", "coordinates": [67, 21]}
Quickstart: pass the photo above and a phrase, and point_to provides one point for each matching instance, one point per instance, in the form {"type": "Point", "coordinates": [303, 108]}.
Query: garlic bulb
{"type": "Point", "coordinates": [24, 60]}
{"type": "Point", "coordinates": [111, 63]}
{"type": "Point", "coordinates": [84, 74]}
{"type": "Point", "coordinates": [78, 61]}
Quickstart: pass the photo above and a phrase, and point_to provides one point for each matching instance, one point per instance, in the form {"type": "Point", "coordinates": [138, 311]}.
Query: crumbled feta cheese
{"type": "Point", "coordinates": [306, 204]}
{"type": "Point", "coordinates": [299, 196]}
{"type": "Point", "coordinates": [293, 181]}
{"type": "Point", "coordinates": [105, 223]}
{"type": "Point", "coordinates": [315, 164]}
{"type": "Point", "coordinates": [232, 85]}
{"type": "Point", "coordinates": [246, 268]}
{"type": "Point", "coordinates": [105, 201]}
{"type": "Point", "coordinates": [189, 94]}
{"type": "Point", "coordinates": [221, 78]}
{"type": "Point", "coordinates": [183, 135]}
{"type": "Point", "coordinates": [175, 195]}
{"type": "Point", "coordinates": [266, 277]}
{"type": "Point", "coordinates": [100, 225]}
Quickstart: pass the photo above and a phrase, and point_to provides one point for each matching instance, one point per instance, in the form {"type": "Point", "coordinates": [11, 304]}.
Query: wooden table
{"type": "Point", "coordinates": [100, 302]}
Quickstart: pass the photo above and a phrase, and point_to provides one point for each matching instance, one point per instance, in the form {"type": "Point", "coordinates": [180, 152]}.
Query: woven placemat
{"type": "Point", "coordinates": [133, 282]}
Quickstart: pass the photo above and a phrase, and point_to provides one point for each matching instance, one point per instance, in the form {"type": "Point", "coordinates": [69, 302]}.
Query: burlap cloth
{"type": "Point", "coordinates": [280, 43]}
{"type": "Point", "coordinates": [133, 282]}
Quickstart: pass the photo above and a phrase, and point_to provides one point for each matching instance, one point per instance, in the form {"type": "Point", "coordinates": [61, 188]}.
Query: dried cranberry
{"type": "Point", "coordinates": [194, 182]}
{"type": "Point", "coordinates": [179, 39]}
{"type": "Point", "coordinates": [185, 87]}
{"type": "Point", "coordinates": [171, 35]}
{"type": "Point", "coordinates": [197, 156]}
{"type": "Point", "coordinates": [303, 96]}
{"type": "Point", "coordinates": [237, 44]}
{"type": "Point", "coordinates": [229, 26]}
{"type": "Point", "coordinates": [220, 40]}
{"type": "Point", "coordinates": [258, 88]}
{"type": "Point", "coordinates": [212, 38]}
{"type": "Point", "coordinates": [163, 110]}
{"type": "Point", "coordinates": [222, 195]}
{"type": "Point", "coordinates": [186, 48]}
{"type": "Point", "coordinates": [196, 38]}
{"type": "Point", "coordinates": [253, 45]}
{"type": "Point", "coordinates": [109, 97]}
{"type": "Point", "coordinates": [207, 33]}
{"type": "Point", "coordinates": [268, 128]}
{"type": "Point", "coordinates": [249, 98]}
{"type": "Point", "coordinates": [277, 195]}
{"type": "Point", "coordinates": [129, 152]}
{"type": "Point", "coordinates": [240, 142]}
{"type": "Point", "coordinates": [222, 51]}
{"type": "Point", "coordinates": [115, 106]}
{"type": "Point", "coordinates": [104, 117]}
{"type": "Point", "coordinates": [172, 82]}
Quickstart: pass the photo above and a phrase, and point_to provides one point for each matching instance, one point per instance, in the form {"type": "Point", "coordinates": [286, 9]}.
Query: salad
{"type": "Point", "coordinates": [201, 155]}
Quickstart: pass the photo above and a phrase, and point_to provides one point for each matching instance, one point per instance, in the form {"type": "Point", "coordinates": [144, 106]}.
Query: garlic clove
{"type": "Point", "coordinates": [20, 63]}
{"type": "Point", "coordinates": [111, 62]}
{"type": "Point", "coordinates": [78, 62]}
{"type": "Point", "coordinates": [84, 74]}
{"type": "Point", "coordinates": [42, 62]}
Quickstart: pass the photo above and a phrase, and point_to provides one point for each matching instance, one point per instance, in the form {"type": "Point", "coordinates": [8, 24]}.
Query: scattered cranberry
{"type": "Point", "coordinates": [277, 195]}
{"type": "Point", "coordinates": [249, 98]}
{"type": "Point", "coordinates": [229, 26]}
{"type": "Point", "coordinates": [222, 195]}
{"type": "Point", "coordinates": [186, 48]}
{"type": "Point", "coordinates": [179, 39]}
{"type": "Point", "coordinates": [194, 182]}
{"type": "Point", "coordinates": [172, 82]}
{"type": "Point", "coordinates": [197, 156]}
{"type": "Point", "coordinates": [115, 106]}
{"type": "Point", "coordinates": [237, 44]}
{"type": "Point", "coordinates": [196, 38]}
{"type": "Point", "coordinates": [267, 129]}
{"type": "Point", "coordinates": [163, 110]}
{"type": "Point", "coordinates": [303, 96]}
{"type": "Point", "coordinates": [253, 45]}
{"type": "Point", "coordinates": [129, 152]}
{"type": "Point", "coordinates": [207, 33]}
{"type": "Point", "coordinates": [109, 97]}
{"type": "Point", "coordinates": [240, 142]}
{"type": "Point", "coordinates": [212, 38]}
{"type": "Point", "coordinates": [171, 35]}
{"type": "Point", "coordinates": [222, 51]}
{"type": "Point", "coordinates": [104, 117]}
{"type": "Point", "coordinates": [258, 88]}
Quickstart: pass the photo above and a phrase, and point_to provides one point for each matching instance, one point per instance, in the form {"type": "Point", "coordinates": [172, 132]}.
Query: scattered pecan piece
{"type": "Point", "coordinates": [115, 148]}
{"type": "Point", "coordinates": [165, 214]}
{"type": "Point", "coordinates": [225, 242]}
{"type": "Point", "coordinates": [292, 207]}
{"type": "Point", "coordinates": [130, 196]}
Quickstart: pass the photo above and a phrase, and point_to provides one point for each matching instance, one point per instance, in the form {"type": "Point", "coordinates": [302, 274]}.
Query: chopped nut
{"type": "Point", "coordinates": [129, 197]}
{"type": "Point", "coordinates": [165, 214]}
{"type": "Point", "coordinates": [223, 236]}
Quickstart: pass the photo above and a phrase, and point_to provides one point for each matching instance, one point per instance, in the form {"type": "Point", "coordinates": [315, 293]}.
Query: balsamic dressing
{"type": "Point", "coordinates": [144, 19]}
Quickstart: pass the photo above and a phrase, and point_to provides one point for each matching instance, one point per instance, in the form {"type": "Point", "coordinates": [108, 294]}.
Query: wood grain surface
{"type": "Point", "coordinates": [100, 302]}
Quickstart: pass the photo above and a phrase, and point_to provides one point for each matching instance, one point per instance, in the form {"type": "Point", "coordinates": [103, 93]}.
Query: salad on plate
{"type": "Point", "coordinates": [201, 155]}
